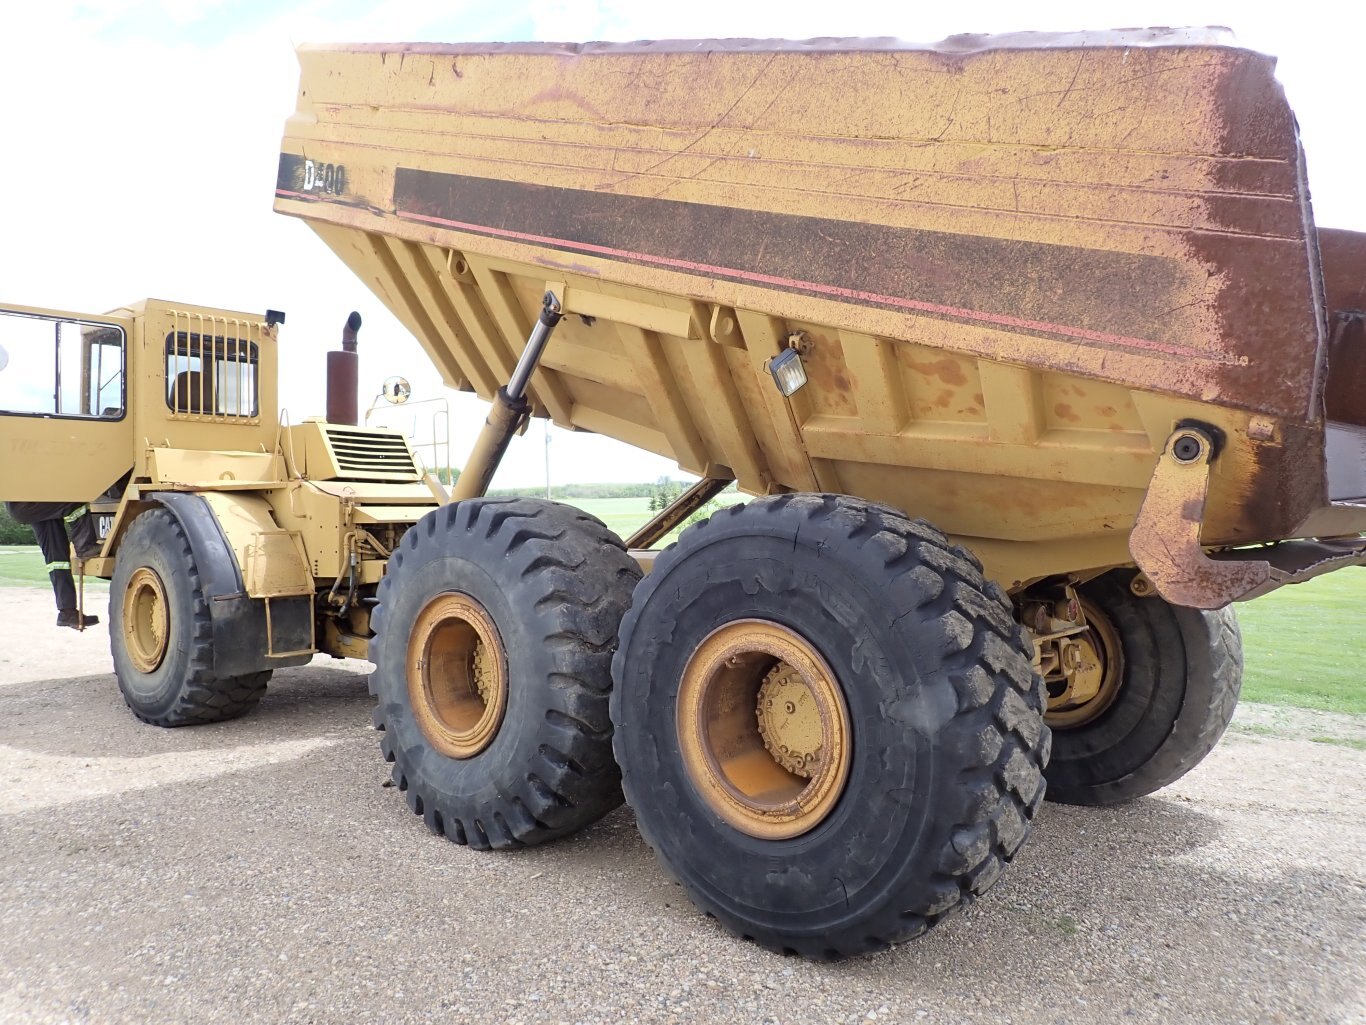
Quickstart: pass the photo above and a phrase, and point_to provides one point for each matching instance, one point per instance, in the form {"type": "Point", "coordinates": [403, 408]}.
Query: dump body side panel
{"type": "Point", "coordinates": [1015, 269]}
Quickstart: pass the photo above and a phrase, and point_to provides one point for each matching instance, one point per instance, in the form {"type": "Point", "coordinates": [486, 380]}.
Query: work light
{"type": "Point", "coordinates": [787, 370]}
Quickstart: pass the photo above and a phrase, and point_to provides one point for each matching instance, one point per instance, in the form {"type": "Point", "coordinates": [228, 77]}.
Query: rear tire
{"type": "Point", "coordinates": [1181, 673]}
{"type": "Point", "coordinates": [936, 769]}
{"type": "Point", "coordinates": [160, 634]}
{"type": "Point", "coordinates": [494, 634]}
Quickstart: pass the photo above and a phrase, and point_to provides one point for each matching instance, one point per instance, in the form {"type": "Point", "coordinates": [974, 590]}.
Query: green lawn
{"type": "Point", "coordinates": [1304, 645]}
{"type": "Point", "coordinates": [626, 515]}
{"type": "Point", "coordinates": [623, 515]}
{"type": "Point", "coordinates": [22, 566]}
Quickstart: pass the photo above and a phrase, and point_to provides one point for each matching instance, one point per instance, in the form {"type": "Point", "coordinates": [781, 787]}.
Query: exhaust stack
{"type": "Point", "coordinates": [343, 400]}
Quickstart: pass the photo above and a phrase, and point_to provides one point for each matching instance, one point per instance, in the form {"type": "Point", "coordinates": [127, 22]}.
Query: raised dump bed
{"type": "Point", "coordinates": [1017, 263]}
{"type": "Point", "coordinates": [1062, 297]}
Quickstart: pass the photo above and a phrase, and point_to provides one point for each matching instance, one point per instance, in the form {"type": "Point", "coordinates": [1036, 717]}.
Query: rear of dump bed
{"type": "Point", "coordinates": [1018, 269]}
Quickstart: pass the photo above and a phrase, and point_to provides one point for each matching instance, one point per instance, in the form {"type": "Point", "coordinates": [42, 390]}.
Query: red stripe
{"type": "Point", "coordinates": [998, 319]}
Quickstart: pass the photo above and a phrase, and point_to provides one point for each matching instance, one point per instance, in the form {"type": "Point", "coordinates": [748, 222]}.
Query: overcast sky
{"type": "Point", "coordinates": [141, 137]}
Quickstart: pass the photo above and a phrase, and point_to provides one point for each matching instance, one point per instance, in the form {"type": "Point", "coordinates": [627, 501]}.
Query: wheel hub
{"type": "Point", "coordinates": [485, 672]}
{"type": "Point", "coordinates": [146, 620]}
{"type": "Point", "coordinates": [790, 721]}
{"type": "Point", "coordinates": [764, 729]}
{"type": "Point", "coordinates": [457, 675]}
{"type": "Point", "coordinates": [1083, 678]}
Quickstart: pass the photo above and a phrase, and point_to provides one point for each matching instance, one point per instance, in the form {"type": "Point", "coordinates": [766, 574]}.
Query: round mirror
{"type": "Point", "coordinates": [396, 390]}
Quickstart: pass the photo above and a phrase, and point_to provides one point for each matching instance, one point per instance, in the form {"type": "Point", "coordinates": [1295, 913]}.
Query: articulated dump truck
{"type": "Point", "coordinates": [1028, 348]}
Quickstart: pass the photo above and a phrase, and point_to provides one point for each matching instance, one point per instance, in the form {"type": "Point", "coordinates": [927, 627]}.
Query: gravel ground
{"type": "Point", "coordinates": [262, 871]}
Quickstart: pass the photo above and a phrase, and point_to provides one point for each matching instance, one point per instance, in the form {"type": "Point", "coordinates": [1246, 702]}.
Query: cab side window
{"type": "Point", "coordinates": [215, 377]}
{"type": "Point", "coordinates": [62, 368]}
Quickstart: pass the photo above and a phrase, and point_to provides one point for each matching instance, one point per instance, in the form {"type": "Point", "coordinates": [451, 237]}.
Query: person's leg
{"type": "Point", "coordinates": [56, 549]}
{"type": "Point", "coordinates": [80, 525]}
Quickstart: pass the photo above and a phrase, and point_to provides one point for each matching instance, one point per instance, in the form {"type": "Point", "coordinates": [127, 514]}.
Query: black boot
{"type": "Point", "coordinates": [73, 619]}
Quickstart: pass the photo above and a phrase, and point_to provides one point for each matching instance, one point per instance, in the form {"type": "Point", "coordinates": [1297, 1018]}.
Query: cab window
{"type": "Point", "coordinates": [211, 376]}
{"type": "Point", "coordinates": [63, 368]}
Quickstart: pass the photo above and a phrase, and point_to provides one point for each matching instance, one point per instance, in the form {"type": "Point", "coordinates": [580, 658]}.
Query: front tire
{"type": "Point", "coordinates": [827, 723]}
{"type": "Point", "coordinates": [494, 634]}
{"type": "Point", "coordinates": [1178, 672]}
{"type": "Point", "coordinates": [160, 634]}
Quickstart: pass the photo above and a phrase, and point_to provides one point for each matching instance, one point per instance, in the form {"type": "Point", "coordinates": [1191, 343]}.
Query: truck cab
{"type": "Point", "coordinates": [89, 400]}
{"type": "Point", "coordinates": [162, 418]}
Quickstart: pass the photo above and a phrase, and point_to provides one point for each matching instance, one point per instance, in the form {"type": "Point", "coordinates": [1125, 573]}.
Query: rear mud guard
{"type": "Point", "coordinates": [240, 628]}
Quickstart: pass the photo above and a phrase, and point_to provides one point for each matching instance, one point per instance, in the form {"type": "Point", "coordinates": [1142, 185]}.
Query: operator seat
{"type": "Point", "coordinates": [192, 392]}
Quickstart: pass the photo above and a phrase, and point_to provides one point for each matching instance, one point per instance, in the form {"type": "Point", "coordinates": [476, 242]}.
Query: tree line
{"type": "Point", "coordinates": [12, 533]}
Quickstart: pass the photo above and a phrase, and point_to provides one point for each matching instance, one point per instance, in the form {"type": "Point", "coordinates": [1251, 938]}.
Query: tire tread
{"type": "Point", "coordinates": [566, 567]}
{"type": "Point", "coordinates": [987, 660]}
{"type": "Point", "coordinates": [202, 697]}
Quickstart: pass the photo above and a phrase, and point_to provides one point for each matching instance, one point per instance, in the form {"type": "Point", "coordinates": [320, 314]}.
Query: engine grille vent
{"type": "Point", "coordinates": [371, 455]}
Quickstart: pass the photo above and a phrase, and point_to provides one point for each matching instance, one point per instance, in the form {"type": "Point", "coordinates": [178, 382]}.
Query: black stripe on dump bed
{"type": "Point", "coordinates": [1080, 293]}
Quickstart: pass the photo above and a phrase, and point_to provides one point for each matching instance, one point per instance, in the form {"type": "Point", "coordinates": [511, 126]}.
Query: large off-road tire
{"type": "Point", "coordinates": [494, 634]}
{"type": "Point", "coordinates": [827, 723]}
{"type": "Point", "coordinates": [160, 634]}
{"type": "Point", "coordinates": [1175, 672]}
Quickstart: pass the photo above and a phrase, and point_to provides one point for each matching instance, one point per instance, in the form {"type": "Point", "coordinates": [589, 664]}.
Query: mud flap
{"type": "Point", "coordinates": [241, 640]}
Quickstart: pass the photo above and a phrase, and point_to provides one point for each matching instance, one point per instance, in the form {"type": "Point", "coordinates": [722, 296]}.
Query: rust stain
{"type": "Point", "coordinates": [1268, 490]}
{"type": "Point", "coordinates": [948, 370]}
{"type": "Point", "coordinates": [1065, 412]}
{"type": "Point", "coordinates": [1343, 254]}
{"type": "Point", "coordinates": [1107, 410]}
{"type": "Point", "coordinates": [1260, 265]}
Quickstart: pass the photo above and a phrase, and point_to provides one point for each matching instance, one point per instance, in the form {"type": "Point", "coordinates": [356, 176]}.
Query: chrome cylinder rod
{"type": "Point", "coordinates": [535, 346]}
{"type": "Point", "coordinates": [509, 410]}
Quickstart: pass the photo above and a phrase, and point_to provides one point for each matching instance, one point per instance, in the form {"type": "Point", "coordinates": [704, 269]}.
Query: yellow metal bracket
{"type": "Point", "coordinates": [1165, 542]}
{"type": "Point", "coordinates": [1166, 537]}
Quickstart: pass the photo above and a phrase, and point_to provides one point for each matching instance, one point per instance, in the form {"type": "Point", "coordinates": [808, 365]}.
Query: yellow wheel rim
{"type": "Point", "coordinates": [764, 729]}
{"type": "Point", "coordinates": [146, 620]}
{"type": "Point", "coordinates": [1092, 678]}
{"type": "Point", "coordinates": [457, 675]}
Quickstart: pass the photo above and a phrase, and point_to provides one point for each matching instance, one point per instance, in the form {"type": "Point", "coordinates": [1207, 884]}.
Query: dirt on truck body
{"type": "Point", "coordinates": [1028, 348]}
{"type": "Point", "coordinates": [1013, 266]}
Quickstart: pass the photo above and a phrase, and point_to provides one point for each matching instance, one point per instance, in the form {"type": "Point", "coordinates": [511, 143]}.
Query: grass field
{"type": "Point", "coordinates": [1304, 645]}
{"type": "Point", "coordinates": [626, 515]}
{"type": "Point", "coordinates": [22, 566]}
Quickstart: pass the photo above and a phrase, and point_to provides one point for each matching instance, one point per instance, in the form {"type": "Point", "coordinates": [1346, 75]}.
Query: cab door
{"type": "Point", "coordinates": [65, 432]}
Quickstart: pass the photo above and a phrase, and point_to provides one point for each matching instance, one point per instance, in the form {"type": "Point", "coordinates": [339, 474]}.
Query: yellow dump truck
{"type": "Point", "coordinates": [1028, 347]}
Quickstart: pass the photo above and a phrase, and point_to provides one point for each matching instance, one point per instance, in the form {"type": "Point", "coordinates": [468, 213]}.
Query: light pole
{"type": "Point", "coordinates": [547, 458]}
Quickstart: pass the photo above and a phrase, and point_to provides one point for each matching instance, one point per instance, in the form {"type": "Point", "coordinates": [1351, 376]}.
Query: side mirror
{"type": "Point", "coordinates": [4, 358]}
{"type": "Point", "coordinates": [395, 390]}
